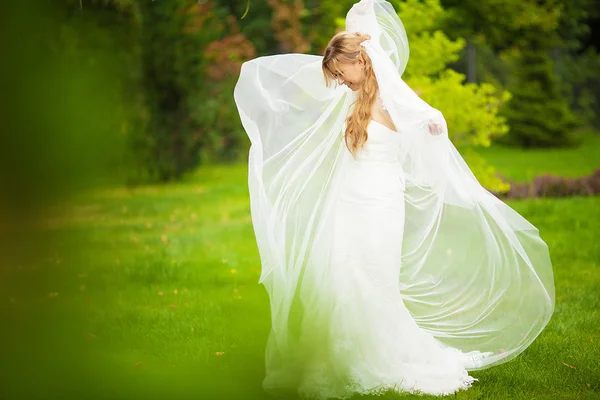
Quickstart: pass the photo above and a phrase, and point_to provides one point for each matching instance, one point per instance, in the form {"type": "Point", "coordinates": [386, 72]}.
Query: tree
{"type": "Point", "coordinates": [538, 112]}
{"type": "Point", "coordinates": [576, 59]}
{"type": "Point", "coordinates": [525, 33]}
{"type": "Point", "coordinates": [500, 22]}
{"type": "Point", "coordinates": [189, 54]}
{"type": "Point", "coordinates": [172, 37]}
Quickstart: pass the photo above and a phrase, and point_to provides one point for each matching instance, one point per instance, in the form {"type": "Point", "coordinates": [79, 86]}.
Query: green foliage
{"type": "Point", "coordinates": [182, 112]}
{"type": "Point", "coordinates": [255, 25]}
{"type": "Point", "coordinates": [215, 111]}
{"type": "Point", "coordinates": [538, 112]}
{"type": "Point", "coordinates": [321, 15]}
{"type": "Point", "coordinates": [572, 27]}
{"type": "Point", "coordinates": [173, 66]}
{"type": "Point", "coordinates": [576, 66]}
{"type": "Point", "coordinates": [501, 22]}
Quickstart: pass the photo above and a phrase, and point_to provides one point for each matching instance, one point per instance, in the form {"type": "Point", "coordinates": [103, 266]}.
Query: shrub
{"type": "Point", "coordinates": [548, 185]}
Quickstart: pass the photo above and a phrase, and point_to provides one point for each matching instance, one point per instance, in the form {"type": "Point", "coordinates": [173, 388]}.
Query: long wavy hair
{"type": "Point", "coordinates": [345, 47]}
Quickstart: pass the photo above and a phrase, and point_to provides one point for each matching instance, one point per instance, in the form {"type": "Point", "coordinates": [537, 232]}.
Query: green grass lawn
{"type": "Point", "coordinates": [152, 293]}
{"type": "Point", "coordinates": [524, 165]}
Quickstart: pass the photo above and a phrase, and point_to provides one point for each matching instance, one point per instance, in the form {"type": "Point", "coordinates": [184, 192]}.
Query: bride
{"type": "Point", "coordinates": [388, 266]}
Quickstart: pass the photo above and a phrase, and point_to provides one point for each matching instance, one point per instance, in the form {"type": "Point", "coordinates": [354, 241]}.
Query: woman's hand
{"type": "Point", "coordinates": [435, 128]}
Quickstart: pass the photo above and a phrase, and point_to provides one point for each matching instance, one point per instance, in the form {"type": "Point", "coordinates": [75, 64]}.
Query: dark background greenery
{"type": "Point", "coordinates": [164, 71]}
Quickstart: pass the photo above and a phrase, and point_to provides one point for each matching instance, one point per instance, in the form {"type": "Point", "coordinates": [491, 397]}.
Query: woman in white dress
{"type": "Point", "coordinates": [387, 265]}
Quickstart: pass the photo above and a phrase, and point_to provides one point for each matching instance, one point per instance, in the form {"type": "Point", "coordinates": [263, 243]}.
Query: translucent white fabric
{"type": "Point", "coordinates": [471, 276]}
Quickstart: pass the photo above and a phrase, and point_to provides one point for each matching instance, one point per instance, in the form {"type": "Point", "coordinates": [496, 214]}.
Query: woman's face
{"type": "Point", "coordinates": [350, 74]}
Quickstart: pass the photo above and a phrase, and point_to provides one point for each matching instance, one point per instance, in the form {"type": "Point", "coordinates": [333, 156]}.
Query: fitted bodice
{"type": "Point", "coordinates": [377, 165]}
{"type": "Point", "coordinates": [383, 144]}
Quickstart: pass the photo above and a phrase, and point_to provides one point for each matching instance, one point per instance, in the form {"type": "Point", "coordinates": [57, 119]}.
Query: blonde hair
{"type": "Point", "coordinates": [345, 47]}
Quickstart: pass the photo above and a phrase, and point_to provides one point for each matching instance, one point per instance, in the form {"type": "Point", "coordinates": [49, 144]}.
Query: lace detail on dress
{"type": "Point", "coordinates": [316, 386]}
{"type": "Point", "coordinates": [383, 107]}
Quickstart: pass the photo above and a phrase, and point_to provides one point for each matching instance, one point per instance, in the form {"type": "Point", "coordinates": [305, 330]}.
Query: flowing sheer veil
{"type": "Point", "coordinates": [473, 273]}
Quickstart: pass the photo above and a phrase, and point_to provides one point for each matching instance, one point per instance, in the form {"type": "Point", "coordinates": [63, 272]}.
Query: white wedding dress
{"type": "Point", "coordinates": [369, 343]}
{"type": "Point", "coordinates": [397, 269]}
